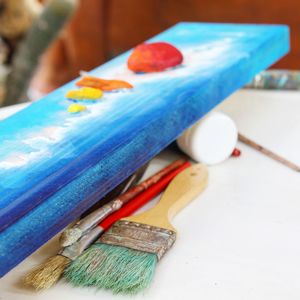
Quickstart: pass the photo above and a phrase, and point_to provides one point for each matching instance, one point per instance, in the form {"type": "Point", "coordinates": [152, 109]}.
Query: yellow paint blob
{"type": "Point", "coordinates": [76, 108]}
{"type": "Point", "coordinates": [85, 93]}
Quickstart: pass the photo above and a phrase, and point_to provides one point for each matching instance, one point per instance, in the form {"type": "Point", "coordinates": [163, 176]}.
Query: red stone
{"type": "Point", "coordinates": [154, 57]}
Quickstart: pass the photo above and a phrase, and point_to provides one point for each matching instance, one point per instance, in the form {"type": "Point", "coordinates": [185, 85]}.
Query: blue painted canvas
{"type": "Point", "coordinates": [54, 165]}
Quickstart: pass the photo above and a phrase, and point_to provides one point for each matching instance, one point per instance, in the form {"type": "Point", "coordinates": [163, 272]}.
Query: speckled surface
{"type": "Point", "coordinates": [61, 164]}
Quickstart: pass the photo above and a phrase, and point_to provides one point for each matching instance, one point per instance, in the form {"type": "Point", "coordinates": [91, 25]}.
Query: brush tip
{"type": "Point", "coordinates": [47, 274]}
{"type": "Point", "coordinates": [119, 269]}
{"type": "Point", "coordinates": [70, 236]}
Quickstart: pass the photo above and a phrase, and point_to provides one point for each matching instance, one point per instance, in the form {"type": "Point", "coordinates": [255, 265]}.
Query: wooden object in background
{"type": "Point", "coordinates": [82, 46]}
{"type": "Point", "coordinates": [148, 17]}
{"type": "Point", "coordinates": [120, 25]}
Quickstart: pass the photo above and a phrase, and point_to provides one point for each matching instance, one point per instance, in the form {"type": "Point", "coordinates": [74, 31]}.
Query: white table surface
{"type": "Point", "coordinates": [240, 238]}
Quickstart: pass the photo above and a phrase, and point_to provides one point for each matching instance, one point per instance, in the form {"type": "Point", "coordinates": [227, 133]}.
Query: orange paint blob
{"type": "Point", "coordinates": [103, 84]}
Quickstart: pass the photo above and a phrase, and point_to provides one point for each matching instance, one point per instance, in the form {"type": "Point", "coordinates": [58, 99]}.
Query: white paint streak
{"type": "Point", "coordinates": [195, 59]}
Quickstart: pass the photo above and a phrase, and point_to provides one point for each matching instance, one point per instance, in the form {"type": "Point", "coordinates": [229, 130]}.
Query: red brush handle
{"type": "Point", "coordinates": [133, 192]}
{"type": "Point", "coordinates": [140, 200]}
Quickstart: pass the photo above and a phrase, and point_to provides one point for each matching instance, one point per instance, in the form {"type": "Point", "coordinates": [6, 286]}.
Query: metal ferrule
{"type": "Point", "coordinates": [140, 237]}
{"type": "Point", "coordinates": [98, 215]}
{"type": "Point", "coordinates": [74, 250]}
{"type": "Point", "coordinates": [83, 226]}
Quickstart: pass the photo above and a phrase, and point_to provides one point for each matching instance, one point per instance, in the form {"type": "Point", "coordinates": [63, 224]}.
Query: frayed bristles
{"type": "Point", "coordinates": [114, 268]}
{"type": "Point", "coordinates": [48, 273]}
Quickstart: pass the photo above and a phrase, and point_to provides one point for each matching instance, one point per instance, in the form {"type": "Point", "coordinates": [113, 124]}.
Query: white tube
{"type": "Point", "coordinates": [211, 140]}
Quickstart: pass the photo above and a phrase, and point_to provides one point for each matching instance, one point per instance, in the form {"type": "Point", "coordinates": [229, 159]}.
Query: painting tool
{"type": "Point", "coordinates": [71, 160]}
{"type": "Point", "coordinates": [131, 181]}
{"type": "Point", "coordinates": [47, 274]}
{"type": "Point", "coordinates": [124, 258]}
{"type": "Point", "coordinates": [71, 235]}
{"type": "Point", "coordinates": [268, 153]}
{"type": "Point", "coordinates": [276, 80]}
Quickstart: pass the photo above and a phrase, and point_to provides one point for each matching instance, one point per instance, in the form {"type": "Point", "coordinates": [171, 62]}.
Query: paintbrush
{"type": "Point", "coordinates": [55, 265]}
{"type": "Point", "coordinates": [130, 182]}
{"type": "Point", "coordinates": [48, 273]}
{"type": "Point", "coordinates": [71, 235]}
{"type": "Point", "coordinates": [269, 153]}
{"type": "Point", "coordinates": [124, 258]}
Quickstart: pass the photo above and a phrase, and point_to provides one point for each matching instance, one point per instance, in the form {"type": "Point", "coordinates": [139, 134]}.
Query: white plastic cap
{"type": "Point", "coordinates": [211, 140]}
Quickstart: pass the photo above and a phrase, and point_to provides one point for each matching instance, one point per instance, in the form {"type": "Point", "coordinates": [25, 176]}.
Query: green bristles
{"type": "Point", "coordinates": [114, 268]}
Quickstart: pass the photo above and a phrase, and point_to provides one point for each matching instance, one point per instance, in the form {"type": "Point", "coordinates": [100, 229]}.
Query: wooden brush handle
{"type": "Point", "coordinates": [182, 190]}
{"type": "Point", "coordinates": [144, 197]}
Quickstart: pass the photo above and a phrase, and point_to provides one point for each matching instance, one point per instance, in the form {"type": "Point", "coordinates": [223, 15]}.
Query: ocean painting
{"type": "Point", "coordinates": [54, 164]}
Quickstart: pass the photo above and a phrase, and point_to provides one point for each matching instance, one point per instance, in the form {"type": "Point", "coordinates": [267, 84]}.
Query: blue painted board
{"type": "Point", "coordinates": [54, 165]}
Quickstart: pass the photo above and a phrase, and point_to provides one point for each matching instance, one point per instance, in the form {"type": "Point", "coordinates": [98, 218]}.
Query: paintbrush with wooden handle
{"type": "Point", "coordinates": [124, 259]}
{"type": "Point", "coordinates": [48, 273]}
{"type": "Point", "coordinates": [89, 222]}
{"type": "Point", "coordinates": [268, 153]}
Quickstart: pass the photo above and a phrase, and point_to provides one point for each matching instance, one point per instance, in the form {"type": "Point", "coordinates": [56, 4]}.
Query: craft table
{"type": "Point", "coordinates": [240, 238]}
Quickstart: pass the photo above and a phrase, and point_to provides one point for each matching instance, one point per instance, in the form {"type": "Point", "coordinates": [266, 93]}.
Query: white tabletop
{"type": "Point", "coordinates": [240, 238]}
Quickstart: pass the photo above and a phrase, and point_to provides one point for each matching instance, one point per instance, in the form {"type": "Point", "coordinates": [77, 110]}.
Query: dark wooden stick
{"type": "Point", "coordinates": [268, 153]}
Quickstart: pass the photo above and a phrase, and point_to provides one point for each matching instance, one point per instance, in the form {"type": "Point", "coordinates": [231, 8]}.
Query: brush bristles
{"type": "Point", "coordinates": [119, 269]}
{"type": "Point", "coordinates": [48, 273]}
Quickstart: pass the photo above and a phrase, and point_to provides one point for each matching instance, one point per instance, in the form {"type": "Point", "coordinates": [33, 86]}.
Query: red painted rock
{"type": "Point", "coordinates": [154, 57]}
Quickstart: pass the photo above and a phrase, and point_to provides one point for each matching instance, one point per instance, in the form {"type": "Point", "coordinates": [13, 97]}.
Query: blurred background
{"type": "Point", "coordinates": [97, 30]}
